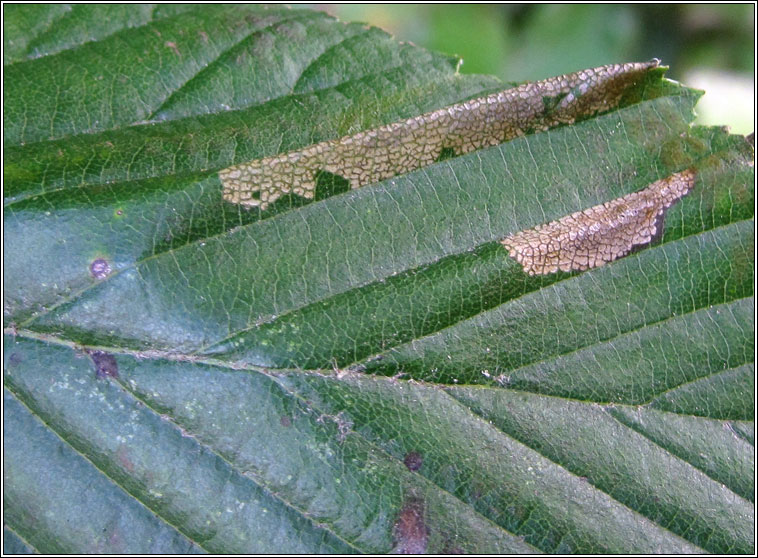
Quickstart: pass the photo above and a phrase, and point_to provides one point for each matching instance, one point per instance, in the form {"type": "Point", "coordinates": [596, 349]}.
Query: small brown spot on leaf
{"type": "Point", "coordinates": [100, 268]}
{"type": "Point", "coordinates": [411, 532]}
{"type": "Point", "coordinates": [413, 461]}
{"type": "Point", "coordinates": [285, 421]}
{"type": "Point", "coordinates": [105, 364]}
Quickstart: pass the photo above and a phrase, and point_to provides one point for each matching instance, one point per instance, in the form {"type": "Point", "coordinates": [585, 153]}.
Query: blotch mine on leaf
{"type": "Point", "coordinates": [105, 364]}
{"type": "Point", "coordinates": [411, 532]}
{"type": "Point", "coordinates": [100, 268]}
{"type": "Point", "coordinates": [397, 148]}
{"type": "Point", "coordinates": [600, 234]}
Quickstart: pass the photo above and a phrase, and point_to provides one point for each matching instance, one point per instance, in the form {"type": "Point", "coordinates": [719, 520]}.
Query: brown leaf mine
{"type": "Point", "coordinates": [411, 531]}
{"type": "Point", "coordinates": [400, 147]}
{"type": "Point", "coordinates": [600, 234]}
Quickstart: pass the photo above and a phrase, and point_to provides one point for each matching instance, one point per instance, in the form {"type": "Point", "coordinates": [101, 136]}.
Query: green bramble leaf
{"type": "Point", "coordinates": [369, 370]}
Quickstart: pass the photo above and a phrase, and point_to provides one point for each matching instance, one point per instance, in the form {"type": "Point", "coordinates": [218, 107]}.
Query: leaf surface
{"type": "Point", "coordinates": [371, 371]}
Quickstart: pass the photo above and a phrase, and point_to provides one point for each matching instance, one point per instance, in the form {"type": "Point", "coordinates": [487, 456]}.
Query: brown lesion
{"type": "Point", "coordinates": [410, 530]}
{"type": "Point", "coordinates": [600, 234]}
{"type": "Point", "coordinates": [400, 147]}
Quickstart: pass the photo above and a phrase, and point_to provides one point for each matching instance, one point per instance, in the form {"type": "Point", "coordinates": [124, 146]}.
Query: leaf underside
{"type": "Point", "coordinates": [370, 371]}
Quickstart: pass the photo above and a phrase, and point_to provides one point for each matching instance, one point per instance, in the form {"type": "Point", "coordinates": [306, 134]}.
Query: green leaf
{"type": "Point", "coordinates": [371, 371]}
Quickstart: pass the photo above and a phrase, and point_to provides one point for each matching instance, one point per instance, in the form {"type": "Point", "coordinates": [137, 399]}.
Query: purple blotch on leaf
{"type": "Point", "coordinates": [105, 364]}
{"type": "Point", "coordinates": [100, 268]}
{"type": "Point", "coordinates": [413, 461]}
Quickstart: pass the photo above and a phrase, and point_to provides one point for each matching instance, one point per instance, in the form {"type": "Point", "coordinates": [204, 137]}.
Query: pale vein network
{"type": "Point", "coordinates": [400, 147]}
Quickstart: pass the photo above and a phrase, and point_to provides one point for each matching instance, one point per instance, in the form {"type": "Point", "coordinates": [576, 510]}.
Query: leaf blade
{"type": "Point", "coordinates": [118, 245]}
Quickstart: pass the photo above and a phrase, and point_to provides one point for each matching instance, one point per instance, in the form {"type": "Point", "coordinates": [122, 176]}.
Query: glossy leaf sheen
{"type": "Point", "coordinates": [371, 371]}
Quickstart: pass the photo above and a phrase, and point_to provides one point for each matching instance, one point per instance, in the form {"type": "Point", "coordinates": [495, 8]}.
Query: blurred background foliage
{"type": "Point", "coordinates": [708, 46]}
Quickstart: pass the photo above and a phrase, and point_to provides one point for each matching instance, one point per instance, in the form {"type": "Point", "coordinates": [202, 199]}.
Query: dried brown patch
{"type": "Point", "coordinates": [600, 234]}
{"type": "Point", "coordinates": [411, 532]}
{"type": "Point", "coordinates": [401, 147]}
